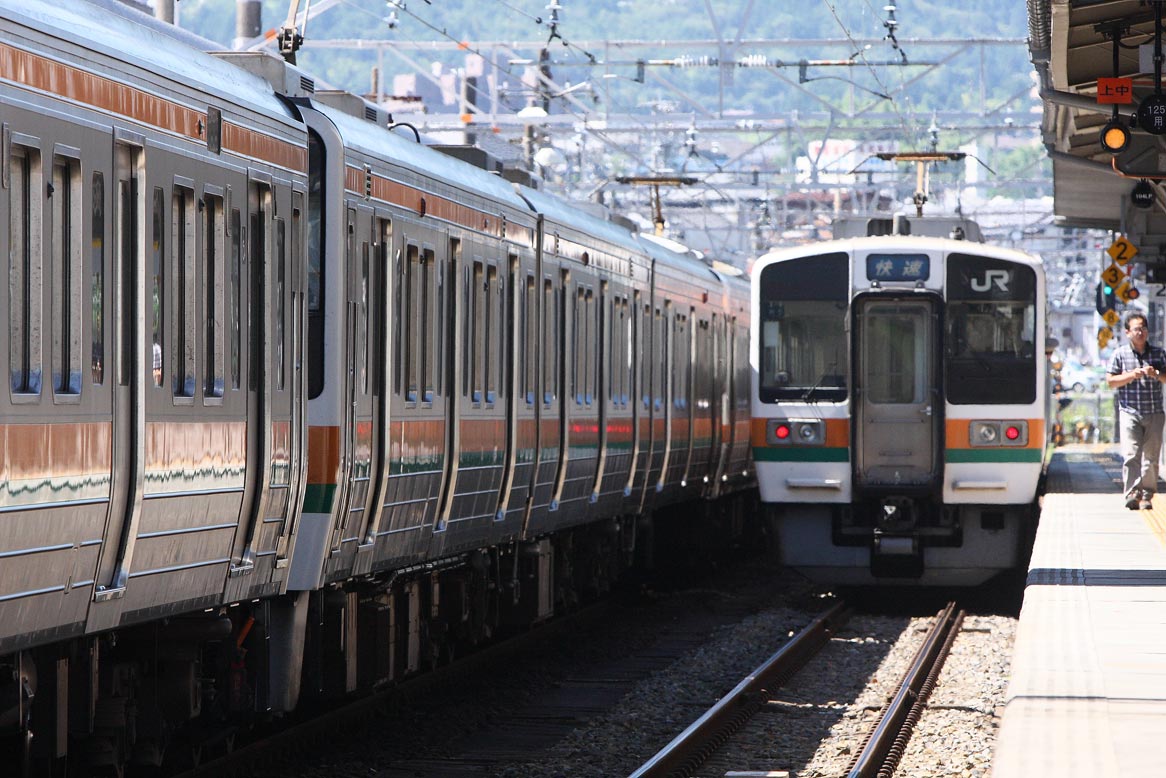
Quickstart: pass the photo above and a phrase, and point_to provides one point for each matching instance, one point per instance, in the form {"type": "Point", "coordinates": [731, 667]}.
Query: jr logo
{"type": "Point", "coordinates": [997, 277]}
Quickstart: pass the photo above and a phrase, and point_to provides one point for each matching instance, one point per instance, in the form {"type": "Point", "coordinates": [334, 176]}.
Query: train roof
{"type": "Point", "coordinates": [381, 142]}
{"type": "Point", "coordinates": [124, 34]}
{"type": "Point", "coordinates": [669, 258]}
{"type": "Point", "coordinates": [569, 214]}
{"type": "Point", "coordinates": [890, 243]}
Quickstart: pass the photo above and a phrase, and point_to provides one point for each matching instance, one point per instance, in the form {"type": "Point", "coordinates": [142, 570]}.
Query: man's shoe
{"type": "Point", "coordinates": [1132, 502]}
{"type": "Point", "coordinates": [1146, 504]}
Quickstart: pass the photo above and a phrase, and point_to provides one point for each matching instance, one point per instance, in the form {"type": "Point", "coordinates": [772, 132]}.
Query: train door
{"type": "Point", "coordinates": [130, 373]}
{"type": "Point", "coordinates": [898, 413]}
{"type": "Point", "coordinates": [258, 365]}
{"type": "Point", "coordinates": [361, 441]}
{"type": "Point", "coordinates": [380, 354]}
{"type": "Point", "coordinates": [637, 390]}
{"type": "Point", "coordinates": [602, 360]}
{"type": "Point", "coordinates": [517, 347]}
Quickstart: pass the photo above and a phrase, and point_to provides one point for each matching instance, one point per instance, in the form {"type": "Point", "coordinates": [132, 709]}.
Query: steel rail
{"type": "Point", "coordinates": [699, 740]}
{"type": "Point", "coordinates": [886, 742]}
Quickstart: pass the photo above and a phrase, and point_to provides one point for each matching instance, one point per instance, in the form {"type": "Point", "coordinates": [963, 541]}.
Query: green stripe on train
{"type": "Point", "coordinates": [824, 454]}
{"type": "Point", "coordinates": [958, 455]}
{"type": "Point", "coordinates": [318, 498]}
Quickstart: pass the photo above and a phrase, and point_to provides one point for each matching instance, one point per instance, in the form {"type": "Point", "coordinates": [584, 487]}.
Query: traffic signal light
{"type": "Point", "coordinates": [1105, 297]}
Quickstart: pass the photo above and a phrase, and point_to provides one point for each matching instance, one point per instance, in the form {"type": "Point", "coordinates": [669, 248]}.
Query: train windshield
{"type": "Point", "coordinates": [990, 332]}
{"type": "Point", "coordinates": [803, 352]}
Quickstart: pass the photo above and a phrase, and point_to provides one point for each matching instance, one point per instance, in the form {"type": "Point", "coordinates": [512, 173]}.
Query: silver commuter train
{"type": "Point", "coordinates": [324, 406]}
{"type": "Point", "coordinates": [900, 400]}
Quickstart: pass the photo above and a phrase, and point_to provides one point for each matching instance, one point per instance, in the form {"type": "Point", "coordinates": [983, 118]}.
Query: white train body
{"type": "Point", "coordinates": [899, 395]}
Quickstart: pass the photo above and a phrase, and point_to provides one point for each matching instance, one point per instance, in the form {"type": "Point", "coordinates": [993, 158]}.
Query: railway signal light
{"type": "Point", "coordinates": [1115, 136]}
{"type": "Point", "coordinates": [1105, 297]}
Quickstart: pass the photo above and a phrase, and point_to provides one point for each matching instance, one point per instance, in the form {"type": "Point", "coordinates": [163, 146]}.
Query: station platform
{"type": "Point", "coordinates": [1087, 696]}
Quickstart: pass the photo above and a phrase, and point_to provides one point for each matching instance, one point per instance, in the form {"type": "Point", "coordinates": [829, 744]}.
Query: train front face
{"type": "Point", "coordinates": [898, 397]}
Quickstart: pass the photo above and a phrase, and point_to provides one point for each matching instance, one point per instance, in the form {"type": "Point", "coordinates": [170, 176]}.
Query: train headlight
{"type": "Point", "coordinates": [800, 432]}
{"type": "Point", "coordinates": [1015, 433]}
{"type": "Point", "coordinates": [984, 433]}
{"type": "Point", "coordinates": [998, 433]}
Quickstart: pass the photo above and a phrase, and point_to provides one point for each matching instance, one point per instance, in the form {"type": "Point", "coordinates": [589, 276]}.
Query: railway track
{"type": "Point", "coordinates": [514, 701]}
{"type": "Point", "coordinates": [295, 740]}
{"type": "Point", "coordinates": [697, 750]}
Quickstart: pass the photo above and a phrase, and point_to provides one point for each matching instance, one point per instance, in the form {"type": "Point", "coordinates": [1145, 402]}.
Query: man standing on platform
{"type": "Point", "coordinates": [1137, 371]}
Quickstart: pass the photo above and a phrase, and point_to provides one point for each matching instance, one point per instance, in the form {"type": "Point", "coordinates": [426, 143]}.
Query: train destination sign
{"type": "Point", "coordinates": [898, 267]}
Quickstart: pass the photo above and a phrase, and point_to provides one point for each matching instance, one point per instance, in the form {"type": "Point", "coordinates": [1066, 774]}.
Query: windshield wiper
{"type": "Point", "coordinates": [810, 392]}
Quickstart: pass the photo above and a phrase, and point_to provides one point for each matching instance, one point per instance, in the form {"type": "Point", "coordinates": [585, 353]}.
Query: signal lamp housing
{"type": "Point", "coordinates": [1115, 136]}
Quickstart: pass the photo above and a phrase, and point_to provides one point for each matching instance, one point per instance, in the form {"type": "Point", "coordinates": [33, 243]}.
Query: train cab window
{"type": "Point", "coordinates": [97, 279]}
{"type": "Point", "coordinates": [65, 210]}
{"type": "Point", "coordinates": [317, 276]}
{"type": "Point", "coordinates": [803, 349]}
{"type": "Point", "coordinates": [182, 242]}
{"type": "Point", "coordinates": [157, 298]}
{"type": "Point", "coordinates": [235, 306]}
{"type": "Point", "coordinates": [24, 270]}
{"type": "Point", "coordinates": [214, 263]}
{"type": "Point", "coordinates": [990, 331]}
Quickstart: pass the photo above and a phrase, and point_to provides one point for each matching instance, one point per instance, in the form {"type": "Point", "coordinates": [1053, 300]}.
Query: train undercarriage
{"type": "Point", "coordinates": [167, 695]}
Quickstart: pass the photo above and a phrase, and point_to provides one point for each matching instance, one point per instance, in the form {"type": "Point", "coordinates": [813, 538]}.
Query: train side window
{"type": "Point", "coordinates": [214, 260]}
{"type": "Point", "coordinates": [447, 306]}
{"type": "Point", "coordinates": [668, 360]}
{"type": "Point", "coordinates": [183, 246]}
{"type": "Point", "coordinates": [157, 298]}
{"type": "Point", "coordinates": [97, 279]}
{"type": "Point", "coordinates": [428, 324]}
{"type": "Point", "coordinates": [493, 335]}
{"type": "Point", "coordinates": [399, 319]}
{"type": "Point", "coordinates": [590, 357]}
{"type": "Point", "coordinates": [530, 338]}
{"type": "Point", "coordinates": [576, 351]}
{"type": "Point", "coordinates": [235, 307]}
{"type": "Point", "coordinates": [280, 302]}
{"type": "Point", "coordinates": [478, 331]}
{"type": "Point", "coordinates": [549, 350]}
{"type": "Point", "coordinates": [410, 333]}
{"type": "Point", "coordinates": [24, 270]}
{"type": "Point", "coordinates": [65, 209]}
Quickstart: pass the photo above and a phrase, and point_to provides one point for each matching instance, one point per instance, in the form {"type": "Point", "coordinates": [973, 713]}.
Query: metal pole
{"type": "Point", "coordinates": [248, 22]}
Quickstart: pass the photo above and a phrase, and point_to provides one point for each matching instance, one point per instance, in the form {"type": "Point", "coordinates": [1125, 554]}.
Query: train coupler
{"type": "Point", "coordinates": [896, 556]}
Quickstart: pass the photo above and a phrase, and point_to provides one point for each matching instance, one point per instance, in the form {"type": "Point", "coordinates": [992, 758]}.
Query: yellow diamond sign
{"type": "Point", "coordinates": [1121, 250]}
{"type": "Point", "coordinates": [1111, 317]}
{"type": "Point", "coordinates": [1126, 292]}
{"type": "Point", "coordinates": [1113, 275]}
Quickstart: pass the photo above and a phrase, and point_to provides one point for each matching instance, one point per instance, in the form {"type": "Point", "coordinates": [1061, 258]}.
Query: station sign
{"type": "Point", "coordinates": [1115, 91]}
{"type": "Point", "coordinates": [1121, 251]}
